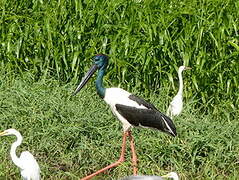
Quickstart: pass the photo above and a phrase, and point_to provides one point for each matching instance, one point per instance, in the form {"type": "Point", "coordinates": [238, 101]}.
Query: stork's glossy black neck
{"type": "Point", "coordinates": [99, 83]}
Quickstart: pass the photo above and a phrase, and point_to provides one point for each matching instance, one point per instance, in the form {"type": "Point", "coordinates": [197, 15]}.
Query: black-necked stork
{"type": "Point", "coordinates": [176, 105]}
{"type": "Point", "coordinates": [131, 110]}
{"type": "Point", "coordinates": [171, 175]}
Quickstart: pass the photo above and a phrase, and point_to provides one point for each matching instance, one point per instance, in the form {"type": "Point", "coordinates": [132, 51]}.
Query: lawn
{"type": "Point", "coordinates": [72, 137]}
{"type": "Point", "coordinates": [46, 47]}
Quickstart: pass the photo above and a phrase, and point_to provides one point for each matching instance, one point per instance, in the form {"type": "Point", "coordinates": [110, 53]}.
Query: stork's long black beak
{"type": "Point", "coordinates": [86, 78]}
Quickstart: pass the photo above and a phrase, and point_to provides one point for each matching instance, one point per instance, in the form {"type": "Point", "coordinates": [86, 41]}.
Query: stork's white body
{"type": "Point", "coordinates": [132, 110]}
{"type": "Point", "coordinates": [115, 96]}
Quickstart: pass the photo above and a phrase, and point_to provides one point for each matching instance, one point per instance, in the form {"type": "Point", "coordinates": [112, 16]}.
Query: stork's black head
{"type": "Point", "coordinates": [100, 62]}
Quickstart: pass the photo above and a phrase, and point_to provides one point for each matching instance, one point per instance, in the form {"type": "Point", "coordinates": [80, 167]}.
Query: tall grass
{"type": "Point", "coordinates": [72, 137]}
{"type": "Point", "coordinates": [146, 41]}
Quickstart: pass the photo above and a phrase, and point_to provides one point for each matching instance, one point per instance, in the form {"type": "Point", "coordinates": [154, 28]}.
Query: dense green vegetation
{"type": "Point", "coordinates": [74, 136]}
{"type": "Point", "coordinates": [146, 41]}
{"type": "Point", "coordinates": [46, 46]}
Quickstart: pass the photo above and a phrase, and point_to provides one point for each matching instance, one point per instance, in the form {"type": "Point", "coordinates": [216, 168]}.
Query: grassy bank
{"type": "Point", "coordinates": [45, 47]}
{"type": "Point", "coordinates": [75, 136]}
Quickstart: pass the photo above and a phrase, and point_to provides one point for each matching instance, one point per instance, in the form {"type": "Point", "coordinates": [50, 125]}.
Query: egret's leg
{"type": "Point", "coordinates": [134, 156]}
{"type": "Point", "coordinates": [121, 159]}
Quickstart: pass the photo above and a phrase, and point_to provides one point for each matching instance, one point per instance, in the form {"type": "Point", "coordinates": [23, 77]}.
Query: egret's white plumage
{"type": "Point", "coordinates": [171, 175]}
{"type": "Point", "coordinates": [176, 106]}
{"type": "Point", "coordinates": [26, 162]}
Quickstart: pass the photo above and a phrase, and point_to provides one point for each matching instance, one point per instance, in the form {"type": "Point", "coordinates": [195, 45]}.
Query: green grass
{"type": "Point", "coordinates": [72, 137]}
{"type": "Point", "coordinates": [45, 47]}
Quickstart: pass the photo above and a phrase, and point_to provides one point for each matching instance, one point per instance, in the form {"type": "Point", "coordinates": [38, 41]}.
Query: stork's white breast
{"type": "Point", "coordinates": [115, 96]}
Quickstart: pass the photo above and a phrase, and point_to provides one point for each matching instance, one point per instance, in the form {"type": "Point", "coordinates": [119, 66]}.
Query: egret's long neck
{"type": "Point", "coordinates": [99, 83]}
{"type": "Point", "coordinates": [14, 146]}
{"type": "Point", "coordinates": [180, 91]}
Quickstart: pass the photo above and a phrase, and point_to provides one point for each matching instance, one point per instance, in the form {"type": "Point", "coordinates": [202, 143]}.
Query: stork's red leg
{"type": "Point", "coordinates": [134, 156]}
{"type": "Point", "coordinates": [121, 159]}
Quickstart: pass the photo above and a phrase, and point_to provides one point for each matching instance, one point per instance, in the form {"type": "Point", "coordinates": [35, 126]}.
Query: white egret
{"type": "Point", "coordinates": [171, 175]}
{"type": "Point", "coordinates": [131, 110]}
{"type": "Point", "coordinates": [26, 162]}
{"type": "Point", "coordinates": [176, 106]}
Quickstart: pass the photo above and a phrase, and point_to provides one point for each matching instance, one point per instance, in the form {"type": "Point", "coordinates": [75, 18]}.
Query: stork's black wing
{"type": "Point", "coordinates": [148, 118]}
{"type": "Point", "coordinates": [141, 101]}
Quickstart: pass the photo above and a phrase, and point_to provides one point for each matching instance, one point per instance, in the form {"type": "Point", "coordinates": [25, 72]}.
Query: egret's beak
{"type": "Point", "coordinates": [187, 68]}
{"type": "Point", "coordinates": [86, 78]}
{"type": "Point", "coordinates": [3, 133]}
{"type": "Point", "coordinates": [165, 176]}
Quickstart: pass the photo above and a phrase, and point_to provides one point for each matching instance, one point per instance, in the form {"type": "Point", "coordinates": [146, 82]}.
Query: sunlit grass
{"type": "Point", "coordinates": [72, 137]}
